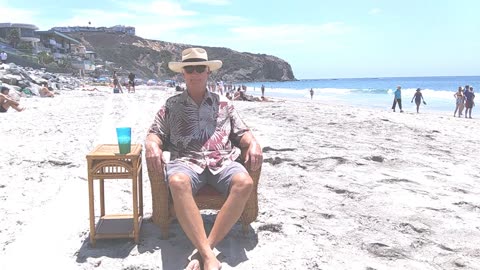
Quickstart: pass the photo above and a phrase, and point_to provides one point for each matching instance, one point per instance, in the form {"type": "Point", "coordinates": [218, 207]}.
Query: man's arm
{"type": "Point", "coordinates": [254, 156]}
{"type": "Point", "coordinates": [4, 98]}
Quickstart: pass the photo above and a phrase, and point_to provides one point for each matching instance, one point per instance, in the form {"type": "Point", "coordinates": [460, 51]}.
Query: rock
{"type": "Point", "coordinates": [17, 77]}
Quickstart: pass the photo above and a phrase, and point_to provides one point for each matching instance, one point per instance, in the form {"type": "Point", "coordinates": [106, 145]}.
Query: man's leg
{"type": "Point", "coordinates": [18, 108]}
{"type": "Point", "coordinates": [189, 217]}
{"type": "Point", "coordinates": [15, 105]}
{"type": "Point", "coordinates": [241, 187]}
{"type": "Point", "coordinates": [394, 104]}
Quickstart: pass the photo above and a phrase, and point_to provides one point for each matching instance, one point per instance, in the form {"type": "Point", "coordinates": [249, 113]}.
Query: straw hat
{"type": "Point", "coordinates": [195, 57]}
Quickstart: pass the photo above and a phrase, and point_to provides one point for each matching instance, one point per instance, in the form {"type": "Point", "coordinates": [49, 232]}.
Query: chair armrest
{"type": "Point", "coordinates": [250, 212]}
{"type": "Point", "coordinates": [160, 195]}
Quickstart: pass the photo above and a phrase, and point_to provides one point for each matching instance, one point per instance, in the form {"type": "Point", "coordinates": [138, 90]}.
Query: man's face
{"type": "Point", "coordinates": [195, 76]}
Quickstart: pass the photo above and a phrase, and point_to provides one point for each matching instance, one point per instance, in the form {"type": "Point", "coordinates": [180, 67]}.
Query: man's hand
{"type": "Point", "coordinates": [254, 156]}
{"type": "Point", "coordinates": [153, 153]}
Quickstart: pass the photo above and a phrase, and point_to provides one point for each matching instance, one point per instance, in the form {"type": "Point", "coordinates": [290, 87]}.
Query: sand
{"type": "Point", "coordinates": [341, 188]}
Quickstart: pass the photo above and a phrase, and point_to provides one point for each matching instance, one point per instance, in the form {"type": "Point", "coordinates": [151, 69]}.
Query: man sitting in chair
{"type": "Point", "coordinates": [200, 129]}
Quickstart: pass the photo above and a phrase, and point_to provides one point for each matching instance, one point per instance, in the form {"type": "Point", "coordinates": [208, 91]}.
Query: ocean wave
{"type": "Point", "coordinates": [406, 93]}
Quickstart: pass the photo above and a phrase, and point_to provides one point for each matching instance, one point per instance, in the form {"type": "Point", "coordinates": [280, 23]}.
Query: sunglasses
{"type": "Point", "coordinates": [198, 69]}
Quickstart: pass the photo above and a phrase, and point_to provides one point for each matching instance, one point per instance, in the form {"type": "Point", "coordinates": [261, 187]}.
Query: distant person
{"type": "Point", "coordinates": [25, 92]}
{"type": "Point", "coordinates": [459, 101]}
{"type": "Point", "coordinates": [117, 88]}
{"type": "Point", "coordinates": [311, 93]}
{"type": "Point", "coordinates": [397, 99]}
{"type": "Point", "coordinates": [418, 98]}
{"type": "Point", "coordinates": [469, 102]}
{"type": "Point", "coordinates": [3, 57]}
{"type": "Point", "coordinates": [6, 101]}
{"type": "Point", "coordinates": [131, 82]}
{"type": "Point", "coordinates": [45, 92]}
{"type": "Point", "coordinates": [263, 90]}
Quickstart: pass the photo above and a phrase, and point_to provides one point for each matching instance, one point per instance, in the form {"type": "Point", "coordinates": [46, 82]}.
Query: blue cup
{"type": "Point", "coordinates": [124, 136]}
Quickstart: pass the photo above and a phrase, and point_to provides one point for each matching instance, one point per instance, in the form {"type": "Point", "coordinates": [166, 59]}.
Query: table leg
{"type": "Point", "coordinates": [135, 208]}
{"type": "Point", "coordinates": [102, 197]}
{"type": "Point", "coordinates": [140, 192]}
{"type": "Point", "coordinates": [92, 211]}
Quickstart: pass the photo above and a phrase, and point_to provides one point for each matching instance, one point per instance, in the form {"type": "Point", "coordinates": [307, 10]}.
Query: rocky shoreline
{"type": "Point", "coordinates": [19, 78]}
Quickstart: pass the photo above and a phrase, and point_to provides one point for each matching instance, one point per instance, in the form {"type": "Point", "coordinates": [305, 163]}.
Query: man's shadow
{"type": "Point", "coordinates": [174, 250]}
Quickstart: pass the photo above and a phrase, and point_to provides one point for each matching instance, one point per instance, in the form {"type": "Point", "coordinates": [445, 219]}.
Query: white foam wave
{"type": "Point", "coordinates": [427, 93]}
{"type": "Point", "coordinates": [406, 92]}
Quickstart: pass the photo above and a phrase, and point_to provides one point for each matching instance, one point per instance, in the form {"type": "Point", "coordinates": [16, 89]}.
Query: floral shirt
{"type": "Point", "coordinates": [201, 136]}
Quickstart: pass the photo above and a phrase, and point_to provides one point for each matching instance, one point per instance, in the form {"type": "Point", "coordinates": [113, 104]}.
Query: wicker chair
{"type": "Point", "coordinates": [207, 198]}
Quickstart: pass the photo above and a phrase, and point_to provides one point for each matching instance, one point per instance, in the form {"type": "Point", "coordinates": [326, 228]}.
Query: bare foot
{"type": "Point", "coordinates": [212, 264]}
{"type": "Point", "coordinates": [193, 265]}
{"type": "Point", "coordinates": [19, 109]}
{"type": "Point", "coordinates": [195, 260]}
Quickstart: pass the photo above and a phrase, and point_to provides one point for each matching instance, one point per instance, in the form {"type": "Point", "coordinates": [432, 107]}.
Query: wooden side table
{"type": "Point", "coordinates": [104, 162]}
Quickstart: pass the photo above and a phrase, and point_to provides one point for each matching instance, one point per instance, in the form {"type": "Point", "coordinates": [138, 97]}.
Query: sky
{"type": "Point", "coordinates": [318, 38]}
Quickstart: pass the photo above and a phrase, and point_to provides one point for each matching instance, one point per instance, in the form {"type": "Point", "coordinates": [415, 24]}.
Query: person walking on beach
{"type": "Point", "coordinates": [6, 101]}
{"type": "Point", "coordinates": [469, 102]}
{"type": "Point", "coordinates": [263, 90]}
{"type": "Point", "coordinates": [201, 129]}
{"type": "Point", "coordinates": [397, 99]}
{"type": "Point", "coordinates": [311, 93]}
{"type": "Point", "coordinates": [459, 101]}
{"type": "Point", "coordinates": [117, 87]}
{"type": "Point", "coordinates": [131, 82]}
{"type": "Point", "coordinates": [3, 57]}
{"type": "Point", "coordinates": [418, 98]}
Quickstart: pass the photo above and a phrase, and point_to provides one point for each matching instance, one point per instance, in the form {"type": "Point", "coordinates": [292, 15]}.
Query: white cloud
{"type": "Point", "coordinates": [14, 15]}
{"type": "Point", "coordinates": [289, 33]}
{"type": "Point", "coordinates": [374, 11]}
{"type": "Point", "coordinates": [280, 40]}
{"type": "Point", "coordinates": [166, 31]}
{"type": "Point", "coordinates": [226, 20]}
{"type": "Point", "coordinates": [212, 2]}
{"type": "Point", "coordinates": [155, 20]}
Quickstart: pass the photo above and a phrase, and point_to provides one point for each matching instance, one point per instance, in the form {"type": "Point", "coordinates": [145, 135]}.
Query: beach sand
{"type": "Point", "coordinates": [341, 188]}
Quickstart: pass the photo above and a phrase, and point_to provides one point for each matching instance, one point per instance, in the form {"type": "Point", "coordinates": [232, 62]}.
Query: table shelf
{"type": "Point", "coordinates": [116, 226]}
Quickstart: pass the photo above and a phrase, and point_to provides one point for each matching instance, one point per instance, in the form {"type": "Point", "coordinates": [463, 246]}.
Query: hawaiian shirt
{"type": "Point", "coordinates": [200, 136]}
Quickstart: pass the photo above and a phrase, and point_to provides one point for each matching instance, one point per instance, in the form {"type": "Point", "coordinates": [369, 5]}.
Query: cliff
{"type": "Point", "coordinates": [149, 58]}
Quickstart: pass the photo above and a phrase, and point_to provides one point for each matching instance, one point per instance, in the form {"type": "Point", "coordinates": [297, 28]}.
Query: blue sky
{"type": "Point", "coordinates": [320, 39]}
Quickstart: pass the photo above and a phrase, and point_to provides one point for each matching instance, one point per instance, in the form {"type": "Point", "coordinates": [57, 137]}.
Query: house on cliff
{"type": "Point", "coordinates": [26, 32]}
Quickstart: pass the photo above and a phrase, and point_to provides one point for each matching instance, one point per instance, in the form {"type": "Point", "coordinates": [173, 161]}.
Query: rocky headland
{"type": "Point", "coordinates": [149, 58]}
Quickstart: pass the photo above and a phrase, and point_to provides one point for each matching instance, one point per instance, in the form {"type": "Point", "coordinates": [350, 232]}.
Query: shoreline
{"type": "Point", "coordinates": [386, 108]}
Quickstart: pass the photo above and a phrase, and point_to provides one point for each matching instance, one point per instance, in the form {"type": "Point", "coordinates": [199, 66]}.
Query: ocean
{"type": "Point", "coordinates": [372, 92]}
